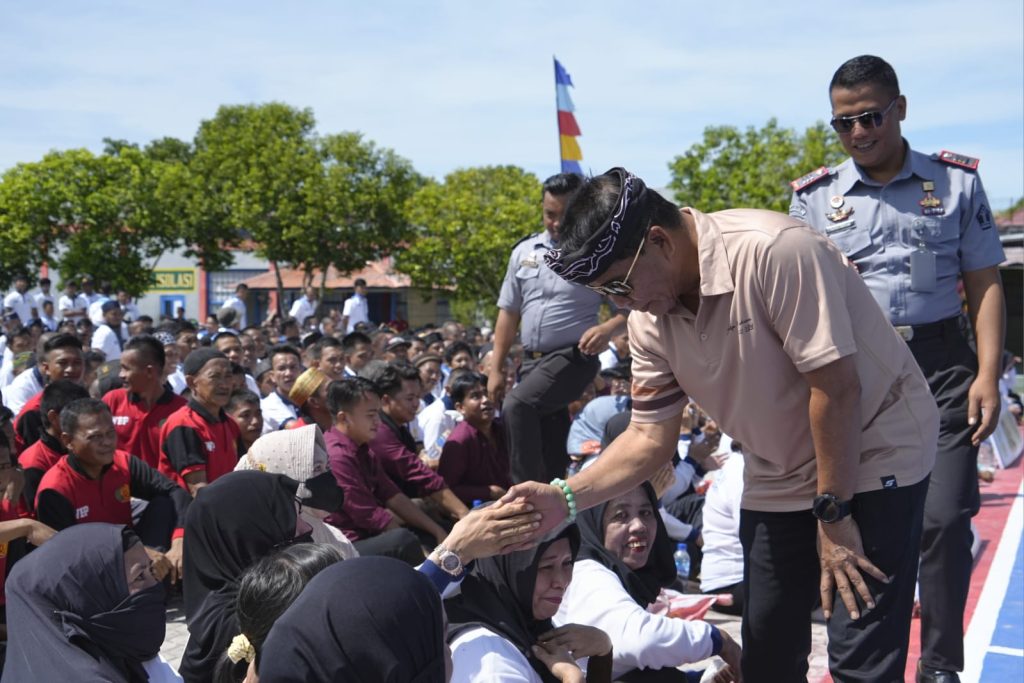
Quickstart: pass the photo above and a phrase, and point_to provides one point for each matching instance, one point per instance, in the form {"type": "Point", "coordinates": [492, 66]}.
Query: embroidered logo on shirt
{"type": "Point", "coordinates": [82, 512]}
{"type": "Point", "coordinates": [889, 482]}
{"type": "Point", "coordinates": [210, 446]}
{"type": "Point", "coordinates": [742, 327]}
{"type": "Point", "coordinates": [120, 420]}
{"type": "Point", "coordinates": [123, 494]}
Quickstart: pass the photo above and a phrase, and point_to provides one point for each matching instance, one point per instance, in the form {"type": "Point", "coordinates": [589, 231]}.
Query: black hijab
{"type": "Point", "coordinates": [498, 595]}
{"type": "Point", "coordinates": [643, 585]}
{"type": "Point", "coordinates": [365, 620]}
{"type": "Point", "coordinates": [233, 522]}
{"type": "Point", "coordinates": [74, 618]}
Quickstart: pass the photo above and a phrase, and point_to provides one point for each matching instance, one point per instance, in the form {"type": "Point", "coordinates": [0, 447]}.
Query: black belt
{"type": "Point", "coordinates": [937, 329]}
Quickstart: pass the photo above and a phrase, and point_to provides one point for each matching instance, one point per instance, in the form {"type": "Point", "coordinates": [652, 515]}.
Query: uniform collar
{"type": "Point", "coordinates": [74, 465]}
{"type": "Point", "coordinates": [914, 164]}
{"type": "Point", "coordinates": [543, 239]}
{"type": "Point", "coordinates": [196, 407]}
{"type": "Point", "coordinates": [52, 442]}
{"type": "Point", "coordinates": [165, 397]}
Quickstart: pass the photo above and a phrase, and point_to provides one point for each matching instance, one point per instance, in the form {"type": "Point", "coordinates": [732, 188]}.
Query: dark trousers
{"type": "Point", "coordinates": [949, 365]}
{"type": "Point", "coordinates": [536, 412]}
{"type": "Point", "coordinates": [400, 544]}
{"type": "Point", "coordinates": [781, 576]}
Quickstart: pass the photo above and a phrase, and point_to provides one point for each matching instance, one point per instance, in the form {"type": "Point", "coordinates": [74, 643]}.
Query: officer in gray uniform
{"type": "Point", "coordinates": [561, 337]}
{"type": "Point", "coordinates": [913, 224]}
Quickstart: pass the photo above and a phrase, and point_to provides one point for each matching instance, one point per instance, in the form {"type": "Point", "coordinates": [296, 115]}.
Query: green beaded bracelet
{"type": "Point", "coordinates": [570, 497]}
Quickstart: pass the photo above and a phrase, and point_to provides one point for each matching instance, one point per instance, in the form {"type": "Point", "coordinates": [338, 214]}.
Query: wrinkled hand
{"type": "Point", "coordinates": [581, 641]}
{"type": "Point", "coordinates": [39, 533]}
{"type": "Point", "coordinates": [546, 500]}
{"type": "Point", "coordinates": [559, 662]}
{"type": "Point", "coordinates": [731, 655]}
{"type": "Point", "coordinates": [983, 404]}
{"type": "Point", "coordinates": [594, 340]}
{"type": "Point", "coordinates": [159, 564]}
{"type": "Point", "coordinates": [842, 558]}
{"type": "Point", "coordinates": [493, 530]}
{"type": "Point", "coordinates": [175, 556]}
{"type": "Point", "coordinates": [496, 386]}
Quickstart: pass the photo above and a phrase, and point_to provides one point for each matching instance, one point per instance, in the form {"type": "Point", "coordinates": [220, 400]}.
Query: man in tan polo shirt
{"type": "Point", "coordinates": [764, 323]}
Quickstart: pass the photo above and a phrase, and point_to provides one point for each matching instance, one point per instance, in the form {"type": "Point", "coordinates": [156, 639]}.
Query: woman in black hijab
{"type": "Point", "coordinates": [86, 608]}
{"type": "Point", "coordinates": [626, 558]}
{"type": "Point", "coordinates": [504, 610]}
{"type": "Point", "coordinates": [365, 620]}
{"type": "Point", "coordinates": [232, 523]}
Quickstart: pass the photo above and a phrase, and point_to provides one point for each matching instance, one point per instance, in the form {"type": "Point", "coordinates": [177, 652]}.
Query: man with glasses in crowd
{"type": "Point", "coordinates": [561, 337]}
{"type": "Point", "coordinates": [913, 224]}
{"type": "Point", "coordinates": [762, 322]}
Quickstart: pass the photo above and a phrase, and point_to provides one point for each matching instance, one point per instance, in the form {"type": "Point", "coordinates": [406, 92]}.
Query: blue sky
{"type": "Point", "coordinates": [458, 83]}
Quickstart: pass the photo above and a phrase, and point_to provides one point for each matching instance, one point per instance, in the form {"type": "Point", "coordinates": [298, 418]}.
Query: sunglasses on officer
{"type": "Point", "coordinates": [869, 119]}
{"type": "Point", "coordinates": [621, 288]}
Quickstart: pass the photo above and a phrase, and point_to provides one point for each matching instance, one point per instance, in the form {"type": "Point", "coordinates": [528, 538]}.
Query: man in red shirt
{"type": "Point", "coordinates": [142, 406]}
{"type": "Point", "coordinates": [95, 482]}
{"type": "Point", "coordinates": [198, 443]}
{"type": "Point", "coordinates": [62, 358]}
{"type": "Point", "coordinates": [38, 458]}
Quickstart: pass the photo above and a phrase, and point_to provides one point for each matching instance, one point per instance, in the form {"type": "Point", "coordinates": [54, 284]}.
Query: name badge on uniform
{"type": "Point", "coordinates": [922, 270]}
{"type": "Point", "coordinates": [529, 262]}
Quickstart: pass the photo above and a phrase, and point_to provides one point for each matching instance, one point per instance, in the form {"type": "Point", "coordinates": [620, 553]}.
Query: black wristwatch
{"type": "Point", "coordinates": [828, 508]}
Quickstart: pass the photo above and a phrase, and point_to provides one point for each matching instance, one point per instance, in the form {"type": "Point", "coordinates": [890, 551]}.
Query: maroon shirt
{"type": "Point", "coordinates": [367, 488]}
{"type": "Point", "coordinates": [138, 427]}
{"type": "Point", "coordinates": [470, 462]}
{"type": "Point", "coordinates": [395, 449]}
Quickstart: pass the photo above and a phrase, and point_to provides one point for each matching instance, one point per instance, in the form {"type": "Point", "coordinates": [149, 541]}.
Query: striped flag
{"type": "Point", "coordinates": [568, 129]}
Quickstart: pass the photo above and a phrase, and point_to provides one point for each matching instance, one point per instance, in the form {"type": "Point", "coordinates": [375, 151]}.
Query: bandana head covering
{"type": "Point", "coordinates": [597, 252]}
{"type": "Point", "coordinates": [306, 385]}
{"type": "Point", "coordinates": [368, 619]}
{"type": "Point", "coordinates": [644, 584]}
{"type": "Point", "coordinates": [498, 595]}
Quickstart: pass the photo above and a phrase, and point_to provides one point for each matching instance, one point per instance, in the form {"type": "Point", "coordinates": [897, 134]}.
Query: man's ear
{"type": "Point", "coordinates": [661, 239]}
{"type": "Point", "coordinates": [65, 440]}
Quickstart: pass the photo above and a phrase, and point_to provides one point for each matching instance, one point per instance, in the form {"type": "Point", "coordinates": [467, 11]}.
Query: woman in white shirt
{"type": "Point", "coordinates": [625, 560]}
{"type": "Point", "coordinates": [500, 624]}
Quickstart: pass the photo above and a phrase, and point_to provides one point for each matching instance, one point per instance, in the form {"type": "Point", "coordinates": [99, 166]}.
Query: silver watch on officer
{"type": "Point", "coordinates": [449, 561]}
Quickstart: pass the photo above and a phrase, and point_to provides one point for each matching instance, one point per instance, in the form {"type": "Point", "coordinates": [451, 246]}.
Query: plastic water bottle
{"type": "Point", "coordinates": [476, 504]}
{"type": "Point", "coordinates": [682, 561]}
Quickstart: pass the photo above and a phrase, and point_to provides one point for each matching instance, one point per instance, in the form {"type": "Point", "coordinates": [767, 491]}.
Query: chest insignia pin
{"type": "Point", "coordinates": [839, 214]}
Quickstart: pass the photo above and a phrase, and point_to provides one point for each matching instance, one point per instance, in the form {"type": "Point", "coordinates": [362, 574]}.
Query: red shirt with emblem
{"type": "Point", "coordinates": [194, 440]}
{"type": "Point", "coordinates": [138, 428]}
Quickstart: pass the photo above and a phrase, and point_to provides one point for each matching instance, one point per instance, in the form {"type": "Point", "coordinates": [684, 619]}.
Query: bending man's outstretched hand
{"type": "Point", "coordinates": [546, 499]}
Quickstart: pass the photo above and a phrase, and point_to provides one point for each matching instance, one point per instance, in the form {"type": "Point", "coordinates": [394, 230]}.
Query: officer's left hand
{"type": "Point", "coordinates": [983, 402]}
{"type": "Point", "coordinates": [595, 340]}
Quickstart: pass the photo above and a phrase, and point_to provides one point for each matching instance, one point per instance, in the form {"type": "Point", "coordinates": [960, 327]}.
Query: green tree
{"type": "Point", "coordinates": [465, 228]}
{"type": "Point", "coordinates": [249, 176]}
{"type": "Point", "coordinates": [86, 213]}
{"type": "Point", "coordinates": [355, 206]}
{"type": "Point", "coordinates": [751, 168]}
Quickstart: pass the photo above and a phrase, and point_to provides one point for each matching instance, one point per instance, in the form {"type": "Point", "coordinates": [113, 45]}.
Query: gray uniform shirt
{"type": "Point", "coordinates": [554, 312]}
{"type": "Point", "coordinates": [910, 238]}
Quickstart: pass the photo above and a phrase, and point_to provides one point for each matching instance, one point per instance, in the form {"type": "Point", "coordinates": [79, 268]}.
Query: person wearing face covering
{"type": "Point", "coordinates": [87, 608]}
{"type": "Point", "coordinates": [504, 610]}
{"type": "Point", "coordinates": [625, 560]}
{"type": "Point", "coordinates": [238, 519]}
{"type": "Point", "coordinates": [344, 629]}
{"type": "Point", "coordinates": [301, 454]}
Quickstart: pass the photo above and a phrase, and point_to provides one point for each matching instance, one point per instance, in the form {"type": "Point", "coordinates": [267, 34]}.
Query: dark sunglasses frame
{"type": "Point", "coordinates": [869, 119]}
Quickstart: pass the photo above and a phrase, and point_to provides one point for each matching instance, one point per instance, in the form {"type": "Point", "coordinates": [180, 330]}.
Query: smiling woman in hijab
{"type": "Point", "coordinates": [232, 523]}
{"type": "Point", "coordinates": [368, 620]}
{"type": "Point", "coordinates": [624, 562]}
{"type": "Point", "coordinates": [504, 610]}
{"type": "Point", "coordinates": [302, 455]}
{"type": "Point", "coordinates": [87, 608]}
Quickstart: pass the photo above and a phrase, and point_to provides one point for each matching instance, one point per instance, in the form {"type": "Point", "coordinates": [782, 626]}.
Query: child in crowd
{"type": "Point", "coordinates": [244, 409]}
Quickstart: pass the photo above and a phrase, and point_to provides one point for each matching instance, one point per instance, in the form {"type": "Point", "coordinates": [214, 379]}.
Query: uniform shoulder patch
{"type": "Point", "coordinates": [961, 160]}
{"type": "Point", "coordinates": [809, 179]}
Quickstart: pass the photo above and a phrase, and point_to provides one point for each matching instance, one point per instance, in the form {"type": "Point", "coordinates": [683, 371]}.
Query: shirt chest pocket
{"type": "Point", "coordinates": [934, 231]}
{"type": "Point", "coordinates": [850, 238]}
{"type": "Point", "coordinates": [527, 272]}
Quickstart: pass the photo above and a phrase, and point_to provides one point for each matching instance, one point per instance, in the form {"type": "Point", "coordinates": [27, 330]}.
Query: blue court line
{"type": "Point", "coordinates": [1004, 661]}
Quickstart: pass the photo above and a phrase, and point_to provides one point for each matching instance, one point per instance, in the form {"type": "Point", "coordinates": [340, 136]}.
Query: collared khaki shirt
{"type": "Point", "coordinates": [777, 300]}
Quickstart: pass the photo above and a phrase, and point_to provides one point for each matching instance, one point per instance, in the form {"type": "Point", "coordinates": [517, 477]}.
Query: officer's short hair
{"type": "Point", "coordinates": [866, 70]}
{"type": "Point", "coordinates": [562, 184]}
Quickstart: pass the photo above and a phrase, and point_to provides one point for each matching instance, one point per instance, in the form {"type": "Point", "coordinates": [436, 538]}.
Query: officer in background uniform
{"type": "Point", "coordinates": [913, 224]}
{"type": "Point", "coordinates": [561, 340]}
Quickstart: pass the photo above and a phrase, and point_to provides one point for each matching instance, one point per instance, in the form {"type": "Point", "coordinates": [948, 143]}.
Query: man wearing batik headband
{"type": "Point", "coordinates": [764, 323]}
{"type": "Point", "coordinates": [561, 337]}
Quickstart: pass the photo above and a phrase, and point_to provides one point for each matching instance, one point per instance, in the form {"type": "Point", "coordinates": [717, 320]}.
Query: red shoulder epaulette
{"type": "Point", "coordinates": [970, 163]}
{"type": "Point", "coordinates": [809, 179]}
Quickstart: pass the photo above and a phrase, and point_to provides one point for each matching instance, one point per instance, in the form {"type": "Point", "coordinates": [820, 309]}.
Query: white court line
{"type": "Point", "coordinates": [986, 612]}
{"type": "Point", "coordinates": [1011, 651]}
